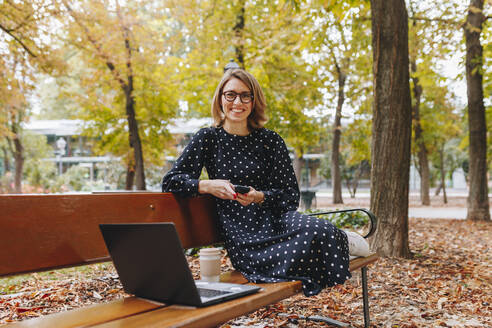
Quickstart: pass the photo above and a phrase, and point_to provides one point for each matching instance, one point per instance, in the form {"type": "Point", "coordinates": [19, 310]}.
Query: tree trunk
{"type": "Point", "coordinates": [6, 161]}
{"type": "Point", "coordinates": [19, 164]}
{"type": "Point", "coordinates": [478, 200]}
{"type": "Point", "coordinates": [130, 175]}
{"type": "Point", "coordinates": [298, 163]}
{"type": "Point", "coordinates": [352, 186]}
{"type": "Point", "coordinates": [135, 142]}
{"type": "Point", "coordinates": [335, 150]}
{"type": "Point", "coordinates": [438, 189]}
{"type": "Point", "coordinates": [358, 174]}
{"type": "Point", "coordinates": [7, 168]}
{"type": "Point", "coordinates": [238, 32]}
{"type": "Point", "coordinates": [391, 127]}
{"type": "Point", "coordinates": [17, 150]}
{"type": "Point", "coordinates": [443, 174]}
{"type": "Point", "coordinates": [419, 142]}
{"type": "Point", "coordinates": [134, 136]}
{"type": "Point", "coordinates": [136, 169]}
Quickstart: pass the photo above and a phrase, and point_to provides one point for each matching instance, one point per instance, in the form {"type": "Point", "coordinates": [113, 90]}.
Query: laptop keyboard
{"type": "Point", "coordinates": [204, 292]}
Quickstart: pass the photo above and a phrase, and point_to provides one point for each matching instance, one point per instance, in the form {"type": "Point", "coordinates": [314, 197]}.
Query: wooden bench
{"type": "Point", "coordinates": [45, 232]}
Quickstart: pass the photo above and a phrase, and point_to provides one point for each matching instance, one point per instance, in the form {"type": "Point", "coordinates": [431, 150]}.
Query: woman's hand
{"type": "Point", "coordinates": [222, 189]}
{"type": "Point", "coordinates": [253, 196]}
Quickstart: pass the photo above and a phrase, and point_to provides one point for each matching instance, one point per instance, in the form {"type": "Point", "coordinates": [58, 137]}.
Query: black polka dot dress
{"type": "Point", "coordinates": [270, 242]}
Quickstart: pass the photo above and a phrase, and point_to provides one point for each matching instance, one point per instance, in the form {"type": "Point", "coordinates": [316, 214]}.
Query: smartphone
{"type": "Point", "coordinates": [241, 189]}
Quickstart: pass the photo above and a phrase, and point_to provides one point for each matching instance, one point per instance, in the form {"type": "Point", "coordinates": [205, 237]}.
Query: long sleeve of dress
{"type": "Point", "coordinates": [283, 190]}
{"type": "Point", "coordinates": [182, 179]}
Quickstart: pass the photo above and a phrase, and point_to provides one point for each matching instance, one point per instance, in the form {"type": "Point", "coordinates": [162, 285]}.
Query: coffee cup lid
{"type": "Point", "coordinates": [209, 251]}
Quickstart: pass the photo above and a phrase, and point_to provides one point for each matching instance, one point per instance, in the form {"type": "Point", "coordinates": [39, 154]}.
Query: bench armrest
{"type": "Point", "coordinates": [371, 215]}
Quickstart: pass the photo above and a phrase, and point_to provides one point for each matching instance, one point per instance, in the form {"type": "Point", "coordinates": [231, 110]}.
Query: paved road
{"type": "Point", "coordinates": [433, 212]}
{"type": "Point", "coordinates": [437, 212]}
{"type": "Point", "coordinates": [418, 212]}
{"type": "Point", "coordinates": [364, 193]}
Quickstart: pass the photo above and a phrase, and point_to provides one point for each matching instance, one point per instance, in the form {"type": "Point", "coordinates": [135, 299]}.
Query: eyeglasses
{"type": "Point", "coordinates": [245, 97]}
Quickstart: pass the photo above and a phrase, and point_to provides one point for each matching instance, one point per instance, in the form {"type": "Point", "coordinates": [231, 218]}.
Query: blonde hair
{"type": "Point", "coordinates": [257, 118]}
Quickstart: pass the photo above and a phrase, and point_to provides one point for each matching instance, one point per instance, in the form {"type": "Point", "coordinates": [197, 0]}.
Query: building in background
{"type": "Point", "coordinates": [72, 148]}
{"type": "Point", "coordinates": [69, 146]}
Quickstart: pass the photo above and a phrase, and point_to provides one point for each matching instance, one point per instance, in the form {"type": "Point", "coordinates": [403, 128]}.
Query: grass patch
{"type": "Point", "coordinates": [357, 221]}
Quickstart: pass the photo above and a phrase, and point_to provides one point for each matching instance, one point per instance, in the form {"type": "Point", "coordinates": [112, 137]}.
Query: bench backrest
{"type": "Point", "coordinates": [43, 232]}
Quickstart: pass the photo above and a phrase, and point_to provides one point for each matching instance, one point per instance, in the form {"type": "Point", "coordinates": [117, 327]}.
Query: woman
{"type": "Point", "coordinates": [266, 239]}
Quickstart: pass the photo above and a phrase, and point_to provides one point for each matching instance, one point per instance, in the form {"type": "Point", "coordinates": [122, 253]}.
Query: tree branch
{"type": "Point", "coordinates": [336, 62]}
{"type": "Point", "coordinates": [126, 36]}
{"type": "Point", "coordinates": [97, 46]}
{"type": "Point", "coordinates": [23, 45]}
{"type": "Point", "coordinates": [436, 19]}
{"type": "Point", "coordinates": [23, 22]}
{"type": "Point", "coordinates": [12, 18]}
{"type": "Point", "coordinates": [211, 13]}
{"type": "Point", "coordinates": [9, 143]}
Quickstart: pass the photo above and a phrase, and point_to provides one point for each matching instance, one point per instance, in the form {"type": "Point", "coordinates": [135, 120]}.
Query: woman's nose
{"type": "Point", "coordinates": [237, 100]}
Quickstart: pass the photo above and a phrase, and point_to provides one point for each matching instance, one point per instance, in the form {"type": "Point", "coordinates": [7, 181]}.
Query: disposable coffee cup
{"type": "Point", "coordinates": [210, 264]}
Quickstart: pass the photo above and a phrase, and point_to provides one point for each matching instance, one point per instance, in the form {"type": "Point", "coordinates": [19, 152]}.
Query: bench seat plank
{"type": "Point", "coordinates": [211, 316]}
{"type": "Point", "coordinates": [100, 313]}
{"type": "Point", "coordinates": [233, 277]}
{"type": "Point", "coordinates": [361, 262]}
{"type": "Point", "coordinates": [136, 312]}
{"type": "Point", "coordinates": [89, 315]}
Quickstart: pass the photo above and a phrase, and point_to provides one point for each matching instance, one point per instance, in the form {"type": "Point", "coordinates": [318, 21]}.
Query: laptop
{"type": "Point", "coordinates": [151, 264]}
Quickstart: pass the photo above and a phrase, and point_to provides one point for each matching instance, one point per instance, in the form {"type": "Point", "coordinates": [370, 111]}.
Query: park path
{"type": "Point", "coordinates": [428, 212]}
{"type": "Point", "coordinates": [438, 212]}
{"type": "Point", "coordinates": [455, 209]}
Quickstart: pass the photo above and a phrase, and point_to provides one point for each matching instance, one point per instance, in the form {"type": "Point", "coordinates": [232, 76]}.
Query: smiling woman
{"type": "Point", "coordinates": [248, 108]}
{"type": "Point", "coordinates": [266, 238]}
{"type": "Point", "coordinates": [236, 109]}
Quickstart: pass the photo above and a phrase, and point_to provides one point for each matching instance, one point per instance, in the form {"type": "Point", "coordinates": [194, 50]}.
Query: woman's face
{"type": "Point", "coordinates": [236, 111]}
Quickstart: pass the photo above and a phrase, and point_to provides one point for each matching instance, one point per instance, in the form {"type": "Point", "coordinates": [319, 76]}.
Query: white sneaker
{"type": "Point", "coordinates": [358, 246]}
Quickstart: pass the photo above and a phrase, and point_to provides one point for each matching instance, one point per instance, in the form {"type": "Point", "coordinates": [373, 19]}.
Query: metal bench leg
{"type": "Point", "coordinates": [336, 323]}
{"type": "Point", "coordinates": [365, 297]}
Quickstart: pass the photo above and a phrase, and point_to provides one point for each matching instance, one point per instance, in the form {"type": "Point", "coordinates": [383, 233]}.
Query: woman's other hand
{"type": "Point", "coordinates": [222, 189]}
{"type": "Point", "coordinates": [252, 196]}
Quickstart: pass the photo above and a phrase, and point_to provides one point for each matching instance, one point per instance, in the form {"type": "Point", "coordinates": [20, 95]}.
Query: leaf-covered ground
{"type": "Point", "coordinates": [447, 284]}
